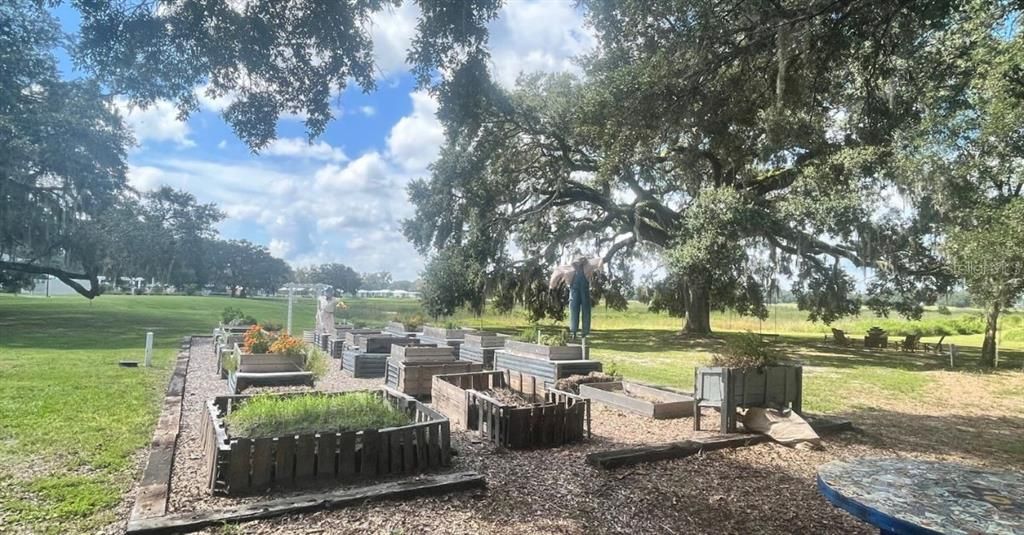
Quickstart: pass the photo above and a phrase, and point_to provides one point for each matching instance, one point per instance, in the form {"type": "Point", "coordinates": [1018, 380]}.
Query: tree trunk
{"type": "Point", "coordinates": [698, 310]}
{"type": "Point", "coordinates": [988, 347]}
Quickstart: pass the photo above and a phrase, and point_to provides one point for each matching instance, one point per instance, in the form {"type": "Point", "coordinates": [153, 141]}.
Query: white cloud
{"type": "Point", "coordinates": [392, 31]}
{"type": "Point", "coordinates": [415, 139]}
{"type": "Point", "coordinates": [144, 178]}
{"type": "Point", "coordinates": [280, 248]}
{"type": "Point", "coordinates": [223, 144]}
{"type": "Point", "coordinates": [537, 36]}
{"type": "Point", "coordinates": [298, 147]}
{"type": "Point", "coordinates": [158, 122]}
{"type": "Point", "coordinates": [368, 111]}
{"type": "Point", "coordinates": [367, 171]}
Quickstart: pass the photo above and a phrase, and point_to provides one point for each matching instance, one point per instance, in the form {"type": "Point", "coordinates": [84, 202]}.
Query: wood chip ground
{"type": "Point", "coordinates": [760, 489]}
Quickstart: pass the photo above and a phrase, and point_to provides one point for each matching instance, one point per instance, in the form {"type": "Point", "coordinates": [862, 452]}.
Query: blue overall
{"type": "Point", "coordinates": [579, 302]}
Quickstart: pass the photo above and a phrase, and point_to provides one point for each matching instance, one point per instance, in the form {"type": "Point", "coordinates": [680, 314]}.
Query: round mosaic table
{"type": "Point", "coordinates": [910, 496]}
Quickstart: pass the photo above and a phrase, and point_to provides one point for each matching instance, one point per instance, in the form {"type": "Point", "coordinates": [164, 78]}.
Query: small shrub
{"type": "Point", "coordinates": [234, 316]}
{"type": "Point", "coordinates": [747, 350]}
{"type": "Point", "coordinates": [272, 326]}
{"type": "Point", "coordinates": [534, 335]}
{"type": "Point", "coordinates": [529, 334]}
{"type": "Point", "coordinates": [316, 363]}
{"type": "Point", "coordinates": [231, 362]}
{"type": "Point", "coordinates": [270, 416]}
{"type": "Point", "coordinates": [944, 310]}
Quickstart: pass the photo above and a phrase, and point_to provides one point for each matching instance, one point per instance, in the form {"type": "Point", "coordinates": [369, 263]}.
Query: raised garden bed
{"type": "Point", "coordinates": [546, 371]}
{"type": "Point", "coordinates": [487, 402]}
{"type": "Point", "coordinates": [640, 399]}
{"type": "Point", "coordinates": [399, 329]}
{"type": "Point", "coordinates": [726, 389]}
{"type": "Point", "coordinates": [364, 365]}
{"type": "Point", "coordinates": [444, 336]}
{"type": "Point", "coordinates": [238, 465]}
{"type": "Point", "coordinates": [266, 369]}
{"type": "Point", "coordinates": [479, 347]}
{"type": "Point", "coordinates": [369, 356]}
{"type": "Point", "coordinates": [414, 376]}
{"type": "Point", "coordinates": [546, 352]}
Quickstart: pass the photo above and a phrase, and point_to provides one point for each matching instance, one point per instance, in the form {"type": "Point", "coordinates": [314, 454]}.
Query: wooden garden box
{"type": "Point", "coordinates": [727, 389]}
{"type": "Point", "coordinates": [555, 418]}
{"type": "Point", "coordinates": [546, 371]}
{"type": "Point", "coordinates": [238, 466]}
{"type": "Point", "coordinates": [479, 347]}
{"type": "Point", "coordinates": [569, 352]}
{"type": "Point", "coordinates": [641, 399]}
{"type": "Point", "coordinates": [267, 369]}
{"type": "Point", "coordinates": [444, 336]}
{"type": "Point", "coordinates": [399, 329]}
{"type": "Point", "coordinates": [415, 379]}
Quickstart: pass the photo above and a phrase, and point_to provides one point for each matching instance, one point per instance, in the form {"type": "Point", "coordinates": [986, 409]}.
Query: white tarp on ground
{"type": "Point", "coordinates": [786, 428]}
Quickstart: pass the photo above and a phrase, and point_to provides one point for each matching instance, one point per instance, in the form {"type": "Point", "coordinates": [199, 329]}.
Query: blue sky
{"type": "Point", "coordinates": [340, 198]}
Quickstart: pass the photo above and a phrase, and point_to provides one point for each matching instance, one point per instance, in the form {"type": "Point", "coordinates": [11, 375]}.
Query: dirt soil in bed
{"type": "Point", "coordinates": [761, 489]}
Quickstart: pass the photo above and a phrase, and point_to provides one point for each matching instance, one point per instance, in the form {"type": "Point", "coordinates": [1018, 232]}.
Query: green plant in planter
{"type": "Point", "coordinates": [746, 350]}
{"type": "Point", "coordinates": [529, 334]}
{"type": "Point", "coordinates": [316, 363]}
{"type": "Point", "coordinates": [265, 416]}
{"type": "Point", "coordinates": [234, 316]}
{"type": "Point", "coordinates": [231, 362]}
{"type": "Point", "coordinates": [534, 335]}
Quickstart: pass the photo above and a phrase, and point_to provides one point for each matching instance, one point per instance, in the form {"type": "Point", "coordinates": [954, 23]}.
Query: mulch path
{"type": "Point", "coordinates": [766, 488]}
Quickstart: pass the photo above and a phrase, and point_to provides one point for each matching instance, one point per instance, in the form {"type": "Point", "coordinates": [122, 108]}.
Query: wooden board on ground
{"type": "Point", "coordinates": [638, 398]}
{"type": "Point", "coordinates": [155, 487]}
{"type": "Point", "coordinates": [419, 486]}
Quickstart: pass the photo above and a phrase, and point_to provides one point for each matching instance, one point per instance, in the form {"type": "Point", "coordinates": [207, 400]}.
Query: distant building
{"type": "Point", "coordinates": [396, 294]}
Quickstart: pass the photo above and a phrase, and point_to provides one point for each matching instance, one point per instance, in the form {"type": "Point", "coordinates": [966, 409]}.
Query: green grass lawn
{"type": "Point", "coordinates": [72, 422]}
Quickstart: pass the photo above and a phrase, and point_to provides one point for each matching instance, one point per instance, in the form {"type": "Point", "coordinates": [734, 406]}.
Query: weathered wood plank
{"type": "Point", "coordinates": [409, 451]}
{"type": "Point", "coordinates": [347, 455]}
{"type": "Point", "coordinates": [311, 502]}
{"type": "Point", "coordinates": [326, 458]}
{"type": "Point", "coordinates": [262, 463]}
{"type": "Point", "coordinates": [238, 465]}
{"type": "Point", "coordinates": [284, 461]}
{"type": "Point", "coordinates": [368, 458]}
{"type": "Point", "coordinates": [305, 457]}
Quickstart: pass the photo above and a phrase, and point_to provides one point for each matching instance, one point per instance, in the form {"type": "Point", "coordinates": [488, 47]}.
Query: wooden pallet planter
{"type": "Point", "coordinates": [479, 347]}
{"type": "Point", "coordinates": [555, 418]}
{"type": "Point", "coordinates": [381, 343]}
{"type": "Point", "coordinates": [267, 369]}
{"type": "Point", "coordinates": [416, 379]}
{"type": "Point", "coordinates": [548, 371]}
{"type": "Point", "coordinates": [237, 466]}
{"type": "Point", "coordinates": [640, 399]}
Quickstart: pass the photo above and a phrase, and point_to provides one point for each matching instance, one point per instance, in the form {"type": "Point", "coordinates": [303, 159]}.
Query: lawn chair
{"type": "Point", "coordinates": [937, 348]}
{"type": "Point", "coordinates": [839, 338]}
{"type": "Point", "coordinates": [911, 343]}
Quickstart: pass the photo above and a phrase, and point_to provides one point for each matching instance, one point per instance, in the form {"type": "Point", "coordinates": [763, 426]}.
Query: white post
{"type": "Point", "coordinates": [149, 349]}
{"type": "Point", "coordinates": [584, 342]}
{"type": "Point", "coordinates": [290, 294]}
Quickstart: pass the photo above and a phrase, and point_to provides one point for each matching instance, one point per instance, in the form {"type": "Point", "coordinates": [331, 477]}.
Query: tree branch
{"type": "Point", "coordinates": [67, 277]}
